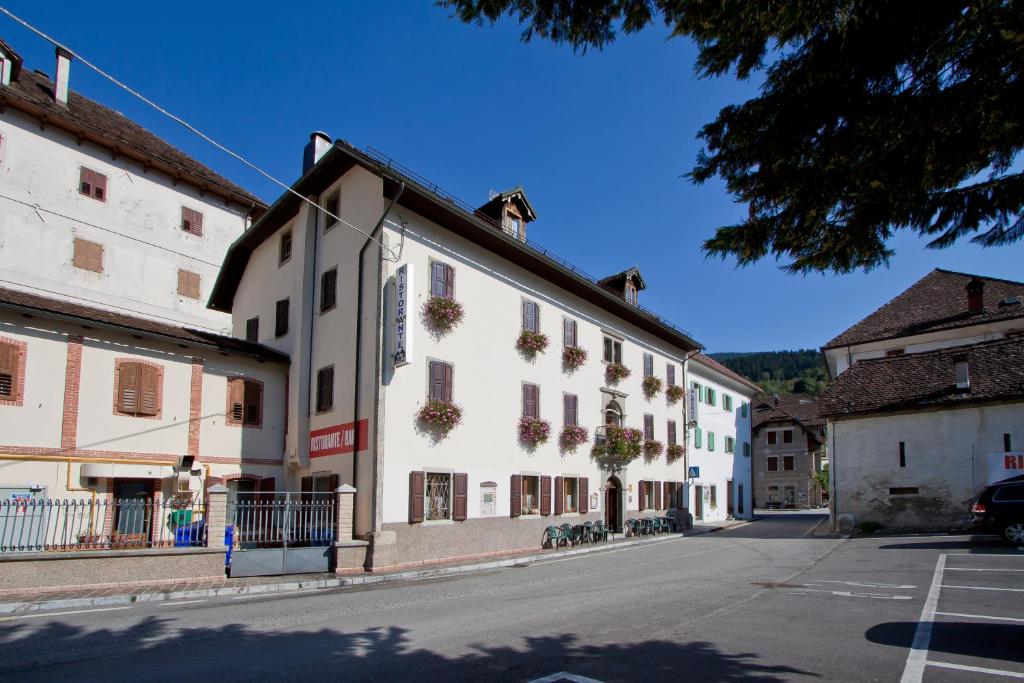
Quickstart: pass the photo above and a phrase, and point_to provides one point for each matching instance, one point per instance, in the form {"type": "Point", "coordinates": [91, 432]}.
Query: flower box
{"type": "Point", "coordinates": [439, 417]}
{"type": "Point", "coordinates": [651, 386]}
{"type": "Point", "coordinates": [674, 452]}
{"type": "Point", "coordinates": [652, 448]}
{"type": "Point", "coordinates": [674, 393]}
{"type": "Point", "coordinates": [572, 437]}
{"type": "Point", "coordinates": [573, 357]}
{"type": "Point", "coordinates": [621, 446]}
{"type": "Point", "coordinates": [531, 343]}
{"type": "Point", "coordinates": [616, 372]}
{"type": "Point", "coordinates": [442, 314]}
{"type": "Point", "coordinates": [533, 431]}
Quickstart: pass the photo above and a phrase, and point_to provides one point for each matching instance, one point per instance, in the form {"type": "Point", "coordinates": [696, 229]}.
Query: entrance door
{"type": "Point", "coordinates": [132, 514]}
{"type": "Point", "coordinates": [612, 490]}
{"type": "Point", "coordinates": [698, 502]}
{"type": "Point", "coordinates": [728, 497]}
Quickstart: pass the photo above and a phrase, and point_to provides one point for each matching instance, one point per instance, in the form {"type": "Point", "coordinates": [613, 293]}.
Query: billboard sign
{"type": "Point", "coordinates": [338, 439]}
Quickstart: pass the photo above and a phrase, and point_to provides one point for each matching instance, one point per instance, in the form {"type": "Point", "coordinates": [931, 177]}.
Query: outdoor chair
{"type": "Point", "coordinates": [570, 535]}
{"type": "Point", "coordinates": [647, 526]}
{"type": "Point", "coordinates": [556, 536]}
{"type": "Point", "coordinates": [632, 527]}
{"type": "Point", "coordinates": [599, 531]}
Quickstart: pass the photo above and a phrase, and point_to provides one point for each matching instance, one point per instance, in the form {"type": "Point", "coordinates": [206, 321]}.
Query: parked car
{"type": "Point", "coordinates": [1000, 508]}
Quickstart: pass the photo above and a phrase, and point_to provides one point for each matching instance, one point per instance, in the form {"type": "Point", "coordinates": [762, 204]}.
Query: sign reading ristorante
{"type": "Point", "coordinates": [338, 439]}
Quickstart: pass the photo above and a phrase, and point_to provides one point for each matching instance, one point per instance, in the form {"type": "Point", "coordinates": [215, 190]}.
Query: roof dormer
{"type": "Point", "coordinates": [628, 284]}
{"type": "Point", "coordinates": [511, 210]}
{"type": "Point", "coordinates": [10, 64]}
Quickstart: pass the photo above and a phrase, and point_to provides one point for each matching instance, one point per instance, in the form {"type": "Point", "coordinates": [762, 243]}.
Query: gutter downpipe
{"type": "Point", "coordinates": [686, 444]}
{"type": "Point", "coordinates": [357, 394]}
{"type": "Point", "coordinates": [307, 322]}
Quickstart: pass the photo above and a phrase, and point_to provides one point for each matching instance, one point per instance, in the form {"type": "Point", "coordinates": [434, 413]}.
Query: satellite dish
{"type": "Point", "coordinates": [491, 194]}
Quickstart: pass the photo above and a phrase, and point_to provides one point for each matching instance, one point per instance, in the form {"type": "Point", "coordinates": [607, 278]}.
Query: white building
{"type": "Point", "coordinates": [96, 209]}
{"type": "Point", "coordinates": [350, 311]}
{"type": "Point", "coordinates": [926, 401]}
{"type": "Point", "coordinates": [719, 445]}
{"type": "Point", "coordinates": [112, 373]}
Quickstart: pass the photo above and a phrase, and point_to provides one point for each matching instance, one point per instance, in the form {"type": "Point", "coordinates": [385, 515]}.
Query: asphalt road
{"type": "Point", "coordinates": [768, 601]}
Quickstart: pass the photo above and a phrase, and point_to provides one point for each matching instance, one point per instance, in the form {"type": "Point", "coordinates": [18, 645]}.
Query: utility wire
{"type": "Point", "coordinates": [37, 207]}
{"type": "Point", "coordinates": [187, 125]}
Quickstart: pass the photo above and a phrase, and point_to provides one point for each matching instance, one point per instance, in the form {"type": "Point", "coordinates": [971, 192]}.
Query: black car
{"type": "Point", "coordinates": [1000, 508]}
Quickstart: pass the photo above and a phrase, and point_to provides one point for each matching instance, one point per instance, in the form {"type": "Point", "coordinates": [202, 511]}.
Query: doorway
{"type": "Point", "coordinates": [612, 504]}
{"type": "Point", "coordinates": [729, 498]}
{"type": "Point", "coordinates": [698, 502]}
{"type": "Point", "coordinates": [132, 515]}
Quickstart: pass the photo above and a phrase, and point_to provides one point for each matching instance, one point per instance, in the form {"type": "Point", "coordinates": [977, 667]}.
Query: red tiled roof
{"type": "Point", "coordinates": [24, 301]}
{"type": "Point", "coordinates": [793, 407]}
{"type": "Point", "coordinates": [32, 93]}
{"type": "Point", "coordinates": [710, 362]}
{"type": "Point", "coordinates": [938, 301]}
{"type": "Point", "coordinates": [918, 380]}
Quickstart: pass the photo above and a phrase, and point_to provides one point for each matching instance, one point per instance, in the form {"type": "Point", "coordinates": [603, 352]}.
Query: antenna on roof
{"type": "Point", "coordinates": [491, 194]}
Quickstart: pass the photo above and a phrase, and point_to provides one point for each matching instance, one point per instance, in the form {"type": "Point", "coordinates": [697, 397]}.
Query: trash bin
{"type": "Point", "coordinates": [229, 541]}
{"type": "Point", "coordinates": [189, 535]}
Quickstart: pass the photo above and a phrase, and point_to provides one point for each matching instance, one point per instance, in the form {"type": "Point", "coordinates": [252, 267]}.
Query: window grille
{"type": "Point", "coordinates": [439, 488]}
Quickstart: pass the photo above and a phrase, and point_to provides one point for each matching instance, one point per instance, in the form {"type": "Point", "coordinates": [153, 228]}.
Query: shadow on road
{"type": "Point", "coordinates": [974, 545]}
{"type": "Point", "coordinates": [966, 638]}
{"type": "Point", "coordinates": [156, 649]}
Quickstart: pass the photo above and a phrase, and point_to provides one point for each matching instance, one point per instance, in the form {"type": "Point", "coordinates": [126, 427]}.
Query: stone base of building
{"type": "Point", "coordinates": [108, 568]}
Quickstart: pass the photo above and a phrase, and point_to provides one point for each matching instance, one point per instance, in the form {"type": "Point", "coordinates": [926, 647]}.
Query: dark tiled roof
{"type": "Point", "coordinates": [33, 94]}
{"type": "Point", "coordinates": [493, 206]}
{"type": "Point", "coordinates": [617, 282]}
{"type": "Point", "coordinates": [793, 407]}
{"type": "Point", "coordinates": [26, 302]}
{"type": "Point", "coordinates": [710, 362]}
{"type": "Point", "coordinates": [938, 301]}
{"type": "Point", "coordinates": [919, 380]}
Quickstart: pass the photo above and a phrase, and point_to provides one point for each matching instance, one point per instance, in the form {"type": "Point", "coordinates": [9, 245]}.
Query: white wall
{"type": "Point", "coordinates": [139, 225]}
{"type": "Point", "coordinates": [945, 458]}
{"type": "Point", "coordinates": [718, 468]}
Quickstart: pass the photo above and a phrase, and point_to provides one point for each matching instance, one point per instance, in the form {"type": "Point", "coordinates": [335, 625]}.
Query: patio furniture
{"type": "Point", "coordinates": [599, 531]}
{"type": "Point", "coordinates": [556, 536]}
{"type": "Point", "coordinates": [632, 527]}
{"type": "Point", "coordinates": [569, 534]}
{"type": "Point", "coordinates": [647, 526]}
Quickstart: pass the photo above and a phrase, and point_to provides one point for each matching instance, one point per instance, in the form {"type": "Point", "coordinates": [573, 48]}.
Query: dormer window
{"type": "Point", "coordinates": [628, 284]}
{"type": "Point", "coordinates": [631, 293]}
{"type": "Point", "coordinates": [510, 211]}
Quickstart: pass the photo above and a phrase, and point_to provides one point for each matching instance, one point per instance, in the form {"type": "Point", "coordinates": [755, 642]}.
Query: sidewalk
{"type": "Point", "coordinates": [12, 603]}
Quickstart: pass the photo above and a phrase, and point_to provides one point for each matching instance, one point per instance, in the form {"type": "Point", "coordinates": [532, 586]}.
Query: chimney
{"type": "Point", "coordinates": [319, 143]}
{"type": "Point", "coordinates": [963, 376]}
{"type": "Point", "coordinates": [62, 76]}
{"type": "Point", "coordinates": [975, 295]}
{"type": "Point", "coordinates": [775, 398]}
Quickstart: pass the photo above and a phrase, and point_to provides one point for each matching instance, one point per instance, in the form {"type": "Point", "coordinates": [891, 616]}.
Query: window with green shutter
{"type": "Point", "coordinates": [696, 437]}
{"type": "Point", "coordinates": [727, 402]}
{"type": "Point", "coordinates": [711, 397]}
{"type": "Point", "coordinates": [700, 391]}
{"type": "Point", "coordinates": [743, 408]}
{"type": "Point", "coordinates": [711, 441]}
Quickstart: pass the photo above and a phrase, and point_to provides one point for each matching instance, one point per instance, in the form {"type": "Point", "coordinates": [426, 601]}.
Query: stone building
{"type": "Point", "coordinates": [789, 451]}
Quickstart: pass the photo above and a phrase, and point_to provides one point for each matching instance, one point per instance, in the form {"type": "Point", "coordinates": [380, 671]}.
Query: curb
{"type": "Point", "coordinates": [10, 608]}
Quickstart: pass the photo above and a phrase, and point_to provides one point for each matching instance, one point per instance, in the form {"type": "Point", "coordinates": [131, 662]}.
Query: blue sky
{"type": "Point", "coordinates": [600, 141]}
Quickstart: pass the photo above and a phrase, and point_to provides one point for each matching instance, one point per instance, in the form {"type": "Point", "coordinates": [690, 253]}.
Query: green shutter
{"type": "Point", "coordinates": [696, 437]}
{"type": "Point", "coordinates": [744, 408]}
{"type": "Point", "coordinates": [711, 441]}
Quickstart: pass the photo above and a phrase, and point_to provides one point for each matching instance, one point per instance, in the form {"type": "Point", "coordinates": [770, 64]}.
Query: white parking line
{"type": "Point", "coordinates": [60, 614]}
{"type": "Point", "coordinates": [977, 669]}
{"type": "Point", "coordinates": [977, 569]}
{"type": "Point", "coordinates": [174, 603]}
{"type": "Point", "coordinates": [979, 616]}
{"type": "Point", "coordinates": [565, 676]}
{"type": "Point", "coordinates": [913, 672]}
{"type": "Point", "coordinates": [984, 588]}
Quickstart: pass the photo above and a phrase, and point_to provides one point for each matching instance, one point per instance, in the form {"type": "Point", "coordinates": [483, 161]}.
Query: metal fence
{"type": "Point", "coordinates": [282, 520]}
{"type": "Point", "coordinates": [43, 524]}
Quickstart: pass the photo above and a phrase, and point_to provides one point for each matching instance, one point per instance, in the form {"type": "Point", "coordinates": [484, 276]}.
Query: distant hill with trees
{"type": "Point", "coordinates": [780, 372]}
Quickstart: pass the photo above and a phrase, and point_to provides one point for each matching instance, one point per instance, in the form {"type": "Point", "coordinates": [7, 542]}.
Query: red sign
{"type": "Point", "coordinates": [337, 439]}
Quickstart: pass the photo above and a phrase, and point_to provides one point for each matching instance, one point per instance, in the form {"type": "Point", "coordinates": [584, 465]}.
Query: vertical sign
{"type": "Point", "coordinates": [691, 406]}
{"type": "Point", "coordinates": [403, 311]}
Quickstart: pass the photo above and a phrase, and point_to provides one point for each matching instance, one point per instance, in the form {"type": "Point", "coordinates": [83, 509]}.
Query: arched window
{"type": "Point", "coordinates": [613, 414]}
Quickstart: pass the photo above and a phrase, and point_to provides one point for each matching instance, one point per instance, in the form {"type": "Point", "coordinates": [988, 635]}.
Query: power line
{"type": "Point", "coordinates": [182, 122]}
{"type": "Point", "coordinates": [37, 207]}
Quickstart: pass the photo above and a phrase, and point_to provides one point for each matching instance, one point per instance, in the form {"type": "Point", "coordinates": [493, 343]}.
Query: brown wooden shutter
{"type": "Point", "coordinates": [569, 408]}
{"type": "Point", "coordinates": [667, 486]}
{"type": "Point", "coordinates": [437, 279]}
{"type": "Point", "coordinates": [640, 487]}
{"type": "Point", "coordinates": [545, 496]}
{"type": "Point", "coordinates": [191, 221]}
{"type": "Point", "coordinates": [671, 431]}
{"type": "Point", "coordinates": [253, 402]}
{"type": "Point", "coordinates": [516, 495]}
{"type": "Point", "coordinates": [449, 282]}
{"type": "Point", "coordinates": [648, 426]}
{"type": "Point", "coordinates": [236, 391]}
{"type": "Point", "coordinates": [416, 484]}
{"type": "Point", "coordinates": [671, 374]}
{"type": "Point", "coordinates": [85, 181]}
{"type": "Point", "coordinates": [8, 370]}
{"type": "Point", "coordinates": [149, 387]}
{"type": "Point", "coordinates": [128, 388]}
{"type": "Point", "coordinates": [460, 496]}
{"type": "Point", "coordinates": [436, 390]}
{"type": "Point", "coordinates": [95, 257]}
{"type": "Point", "coordinates": [559, 495]}
{"type": "Point", "coordinates": [530, 321]}
{"type": "Point", "coordinates": [99, 188]}
{"type": "Point", "coordinates": [584, 493]}
{"type": "Point", "coordinates": [182, 282]}
{"type": "Point", "coordinates": [657, 495]}
{"type": "Point", "coordinates": [449, 373]}
{"type": "Point", "coordinates": [530, 396]}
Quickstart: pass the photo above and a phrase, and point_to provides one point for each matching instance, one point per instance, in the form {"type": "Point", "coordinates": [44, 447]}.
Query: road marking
{"type": "Point", "coordinates": [850, 594]}
{"type": "Point", "coordinates": [976, 569]}
{"type": "Point", "coordinates": [866, 585]}
{"type": "Point", "coordinates": [979, 616]}
{"type": "Point", "coordinates": [984, 588]}
{"type": "Point", "coordinates": [977, 669]}
{"type": "Point", "coordinates": [60, 614]}
{"type": "Point", "coordinates": [565, 676]}
{"type": "Point", "coordinates": [173, 603]}
{"type": "Point", "coordinates": [913, 672]}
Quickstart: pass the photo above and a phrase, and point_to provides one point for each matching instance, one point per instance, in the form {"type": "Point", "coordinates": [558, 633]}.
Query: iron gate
{"type": "Point", "coordinates": [281, 533]}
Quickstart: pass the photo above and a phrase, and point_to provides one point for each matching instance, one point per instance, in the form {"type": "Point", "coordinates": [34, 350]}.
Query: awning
{"type": "Point", "coordinates": [119, 471]}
